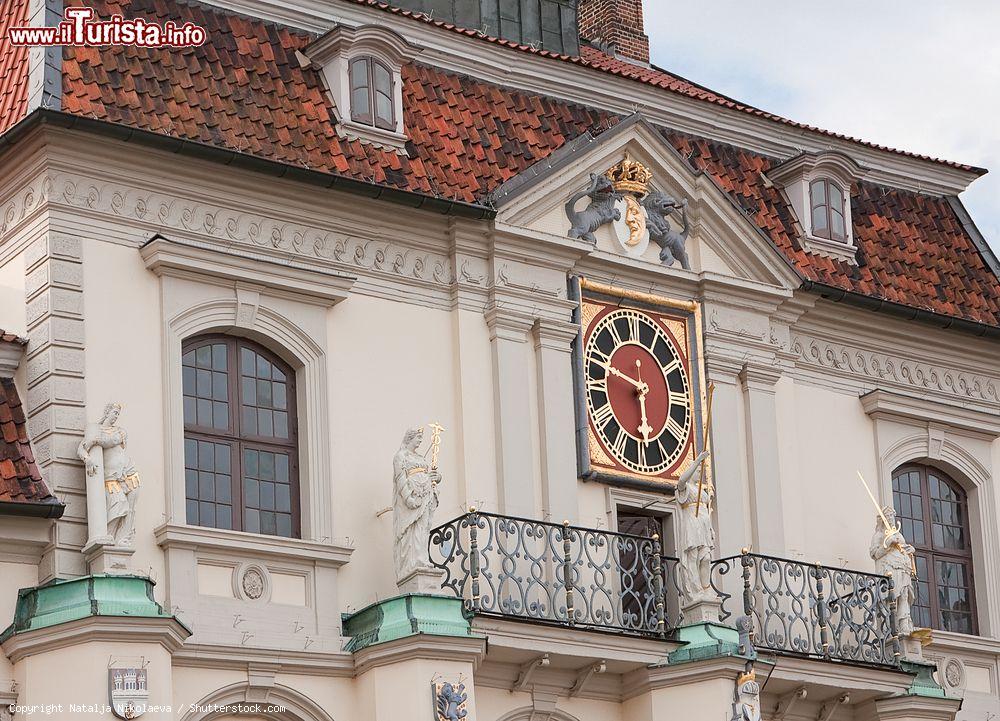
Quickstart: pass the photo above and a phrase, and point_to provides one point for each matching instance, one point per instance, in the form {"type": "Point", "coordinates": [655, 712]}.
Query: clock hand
{"type": "Point", "coordinates": [644, 428]}
{"type": "Point", "coordinates": [615, 372]}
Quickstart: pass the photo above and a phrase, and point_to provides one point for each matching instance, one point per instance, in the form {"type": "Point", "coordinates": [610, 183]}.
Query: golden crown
{"type": "Point", "coordinates": [630, 176]}
{"type": "Point", "coordinates": [750, 675]}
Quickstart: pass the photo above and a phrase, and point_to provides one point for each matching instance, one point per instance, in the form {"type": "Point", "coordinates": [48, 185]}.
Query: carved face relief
{"type": "Point", "coordinates": [253, 584]}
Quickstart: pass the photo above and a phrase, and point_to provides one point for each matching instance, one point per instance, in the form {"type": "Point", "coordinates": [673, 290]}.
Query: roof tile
{"type": "Point", "coordinates": [246, 91]}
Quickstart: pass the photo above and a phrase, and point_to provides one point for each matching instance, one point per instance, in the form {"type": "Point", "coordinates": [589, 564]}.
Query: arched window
{"type": "Point", "coordinates": [826, 200]}
{"type": "Point", "coordinates": [934, 515]}
{"type": "Point", "coordinates": [372, 101]}
{"type": "Point", "coordinates": [240, 439]}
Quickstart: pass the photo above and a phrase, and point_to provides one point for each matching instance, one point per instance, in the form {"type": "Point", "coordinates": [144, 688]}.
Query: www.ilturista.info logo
{"type": "Point", "coordinates": [79, 28]}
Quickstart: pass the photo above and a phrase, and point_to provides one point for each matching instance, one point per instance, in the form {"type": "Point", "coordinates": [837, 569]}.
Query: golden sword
{"type": "Point", "coordinates": [889, 530]}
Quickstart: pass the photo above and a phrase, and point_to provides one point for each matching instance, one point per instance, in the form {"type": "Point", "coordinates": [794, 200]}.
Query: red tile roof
{"type": "Point", "coordinates": [597, 59]}
{"type": "Point", "coordinates": [13, 65]}
{"type": "Point", "coordinates": [20, 480]}
{"type": "Point", "coordinates": [244, 90]}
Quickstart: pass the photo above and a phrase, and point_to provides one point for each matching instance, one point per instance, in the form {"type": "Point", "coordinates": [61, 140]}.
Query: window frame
{"type": "Point", "coordinates": [233, 433]}
{"type": "Point", "coordinates": [929, 552]}
{"type": "Point", "coordinates": [827, 205]}
{"type": "Point", "coordinates": [369, 115]}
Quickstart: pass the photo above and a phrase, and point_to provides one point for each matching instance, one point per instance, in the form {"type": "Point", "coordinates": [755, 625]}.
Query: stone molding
{"type": "Point", "coordinates": [219, 656]}
{"type": "Point", "coordinates": [425, 647]}
{"type": "Point", "coordinates": [56, 396]}
{"type": "Point", "coordinates": [257, 689]}
{"type": "Point", "coordinates": [886, 403]}
{"type": "Point", "coordinates": [251, 545]}
{"type": "Point", "coordinates": [910, 708]}
{"type": "Point", "coordinates": [220, 263]}
{"type": "Point", "coordinates": [168, 632]}
{"type": "Point", "coordinates": [872, 367]}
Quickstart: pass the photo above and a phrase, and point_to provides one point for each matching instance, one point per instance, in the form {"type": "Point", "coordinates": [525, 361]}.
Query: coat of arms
{"type": "Point", "coordinates": [449, 701]}
{"type": "Point", "coordinates": [128, 692]}
{"type": "Point", "coordinates": [630, 180]}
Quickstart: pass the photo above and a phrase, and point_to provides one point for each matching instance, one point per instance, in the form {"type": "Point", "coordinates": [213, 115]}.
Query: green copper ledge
{"type": "Point", "coordinates": [923, 680]}
{"type": "Point", "coordinates": [703, 641]}
{"type": "Point", "coordinates": [404, 616]}
{"type": "Point", "coordinates": [62, 601]}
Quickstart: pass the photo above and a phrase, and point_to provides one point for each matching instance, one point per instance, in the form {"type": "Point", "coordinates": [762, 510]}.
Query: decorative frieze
{"type": "Point", "coordinates": [872, 367]}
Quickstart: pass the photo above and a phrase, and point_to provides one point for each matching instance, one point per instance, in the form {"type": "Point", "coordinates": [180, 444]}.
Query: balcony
{"type": "Point", "coordinates": [585, 578]}
{"type": "Point", "coordinates": [543, 572]}
{"type": "Point", "coordinates": [809, 610]}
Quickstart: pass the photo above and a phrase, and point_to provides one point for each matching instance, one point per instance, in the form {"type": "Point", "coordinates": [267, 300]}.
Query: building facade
{"type": "Point", "coordinates": [358, 364]}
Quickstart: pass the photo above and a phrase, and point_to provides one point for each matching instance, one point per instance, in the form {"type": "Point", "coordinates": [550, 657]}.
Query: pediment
{"type": "Point", "coordinates": [721, 239]}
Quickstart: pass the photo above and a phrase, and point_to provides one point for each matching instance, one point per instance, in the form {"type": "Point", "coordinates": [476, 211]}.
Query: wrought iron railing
{"type": "Point", "coordinates": [560, 574]}
{"type": "Point", "coordinates": [809, 610]}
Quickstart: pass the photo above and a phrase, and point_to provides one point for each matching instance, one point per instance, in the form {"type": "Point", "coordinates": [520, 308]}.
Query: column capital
{"type": "Point", "coordinates": [554, 334]}
{"type": "Point", "coordinates": [508, 325]}
{"type": "Point", "coordinates": [760, 377]}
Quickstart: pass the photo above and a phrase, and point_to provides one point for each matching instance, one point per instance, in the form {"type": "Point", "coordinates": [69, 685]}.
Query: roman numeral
{"type": "Point", "coordinates": [613, 327]}
{"type": "Point", "coordinates": [602, 415]}
{"type": "Point", "coordinates": [619, 445]}
{"type": "Point", "coordinates": [680, 398]}
{"type": "Point", "coordinates": [642, 454]}
{"type": "Point", "coordinates": [633, 327]}
{"type": "Point", "coordinates": [597, 384]}
{"type": "Point", "coordinates": [671, 366]}
{"type": "Point", "coordinates": [675, 430]}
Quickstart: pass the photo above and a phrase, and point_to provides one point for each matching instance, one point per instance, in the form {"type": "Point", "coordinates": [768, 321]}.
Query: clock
{"type": "Point", "coordinates": [639, 391]}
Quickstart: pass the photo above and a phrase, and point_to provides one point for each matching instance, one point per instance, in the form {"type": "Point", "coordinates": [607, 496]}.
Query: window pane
{"type": "Point", "coordinates": [206, 387]}
{"type": "Point", "coordinates": [383, 109]}
{"type": "Point", "coordinates": [836, 197]}
{"type": "Point", "coordinates": [360, 109]}
{"type": "Point", "coordinates": [819, 221]}
{"type": "Point", "coordinates": [359, 73]}
{"type": "Point", "coordinates": [954, 596]}
{"type": "Point", "coordinates": [837, 222]}
{"type": "Point", "coordinates": [207, 483]}
{"type": "Point", "coordinates": [267, 491]}
{"type": "Point", "coordinates": [817, 193]}
{"type": "Point", "coordinates": [383, 80]}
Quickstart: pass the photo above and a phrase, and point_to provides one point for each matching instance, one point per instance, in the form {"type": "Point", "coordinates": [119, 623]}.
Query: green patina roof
{"type": "Point", "coordinates": [403, 616]}
{"type": "Point", "coordinates": [62, 601]}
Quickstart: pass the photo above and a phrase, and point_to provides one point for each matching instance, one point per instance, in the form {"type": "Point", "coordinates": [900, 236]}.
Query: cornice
{"type": "Point", "coordinates": [651, 678]}
{"type": "Point", "coordinates": [497, 64]}
{"type": "Point", "coordinates": [425, 647]}
{"type": "Point", "coordinates": [170, 536]}
{"type": "Point", "coordinates": [334, 665]}
{"type": "Point", "coordinates": [880, 403]}
{"type": "Point", "coordinates": [184, 258]}
{"type": "Point", "coordinates": [167, 632]}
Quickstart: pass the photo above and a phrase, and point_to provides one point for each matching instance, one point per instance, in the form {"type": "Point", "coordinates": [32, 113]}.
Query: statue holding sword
{"type": "Point", "coordinates": [894, 557]}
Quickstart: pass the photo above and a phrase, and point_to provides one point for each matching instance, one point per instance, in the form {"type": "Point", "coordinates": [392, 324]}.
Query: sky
{"type": "Point", "coordinates": [918, 75]}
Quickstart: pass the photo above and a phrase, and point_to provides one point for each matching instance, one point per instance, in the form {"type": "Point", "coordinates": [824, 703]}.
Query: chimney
{"type": "Point", "coordinates": [615, 26]}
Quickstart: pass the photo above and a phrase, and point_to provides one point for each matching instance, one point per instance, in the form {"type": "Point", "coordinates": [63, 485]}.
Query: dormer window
{"type": "Point", "coordinates": [371, 93]}
{"type": "Point", "coordinates": [818, 189]}
{"type": "Point", "coordinates": [827, 202]}
{"type": "Point", "coordinates": [362, 70]}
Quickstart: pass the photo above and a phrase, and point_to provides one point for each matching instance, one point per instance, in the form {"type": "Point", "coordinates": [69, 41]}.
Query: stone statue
{"type": "Point", "coordinates": [103, 453]}
{"type": "Point", "coordinates": [600, 211]}
{"type": "Point", "coordinates": [659, 207]}
{"type": "Point", "coordinates": [747, 704]}
{"type": "Point", "coordinates": [415, 498]}
{"type": "Point", "coordinates": [695, 536]}
{"type": "Point", "coordinates": [894, 557]}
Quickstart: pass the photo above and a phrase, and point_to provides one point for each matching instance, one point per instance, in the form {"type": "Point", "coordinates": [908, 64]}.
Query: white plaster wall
{"type": "Point", "coordinates": [494, 703]}
{"type": "Point", "coordinates": [12, 308]}
{"type": "Point", "coordinates": [123, 362]}
{"type": "Point", "coordinates": [13, 576]}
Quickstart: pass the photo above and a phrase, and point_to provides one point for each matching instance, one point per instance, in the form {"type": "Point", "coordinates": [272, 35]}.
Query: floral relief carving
{"type": "Point", "coordinates": [165, 212]}
{"type": "Point", "coordinates": [879, 366]}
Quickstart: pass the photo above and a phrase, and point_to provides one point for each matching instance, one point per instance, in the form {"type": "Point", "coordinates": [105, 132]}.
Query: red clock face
{"type": "Point", "coordinates": [638, 392]}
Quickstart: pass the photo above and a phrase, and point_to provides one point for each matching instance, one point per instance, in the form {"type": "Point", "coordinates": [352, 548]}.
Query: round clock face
{"type": "Point", "coordinates": [637, 391]}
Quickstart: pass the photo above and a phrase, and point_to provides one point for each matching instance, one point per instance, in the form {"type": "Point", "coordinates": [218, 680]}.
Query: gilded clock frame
{"type": "Point", "coordinates": [590, 466]}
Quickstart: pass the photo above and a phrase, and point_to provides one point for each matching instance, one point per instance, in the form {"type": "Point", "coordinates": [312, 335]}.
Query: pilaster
{"type": "Point", "coordinates": [556, 417]}
{"type": "Point", "coordinates": [764, 471]}
{"type": "Point", "coordinates": [512, 401]}
{"type": "Point", "coordinates": [56, 391]}
{"type": "Point", "coordinates": [728, 459]}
